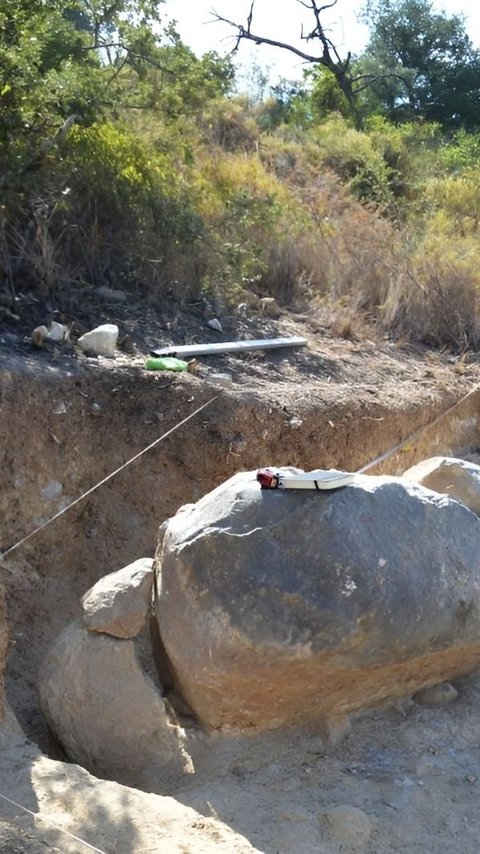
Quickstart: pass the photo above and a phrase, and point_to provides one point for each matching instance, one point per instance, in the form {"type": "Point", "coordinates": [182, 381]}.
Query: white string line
{"type": "Point", "coordinates": [365, 468]}
{"type": "Point", "coordinates": [417, 433]}
{"type": "Point", "coordinates": [107, 478]}
{"type": "Point", "coordinates": [52, 824]}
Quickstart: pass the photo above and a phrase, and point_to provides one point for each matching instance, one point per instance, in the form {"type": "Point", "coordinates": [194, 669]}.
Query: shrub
{"type": "Point", "coordinates": [130, 204]}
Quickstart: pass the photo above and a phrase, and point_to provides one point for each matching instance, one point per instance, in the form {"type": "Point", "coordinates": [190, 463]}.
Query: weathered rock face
{"type": "Point", "coordinates": [458, 478]}
{"type": "Point", "coordinates": [104, 710]}
{"type": "Point", "coordinates": [278, 607]}
{"type": "Point", "coordinates": [118, 603]}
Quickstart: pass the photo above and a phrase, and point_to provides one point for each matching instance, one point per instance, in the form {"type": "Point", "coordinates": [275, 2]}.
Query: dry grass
{"type": "Point", "coordinates": [272, 221]}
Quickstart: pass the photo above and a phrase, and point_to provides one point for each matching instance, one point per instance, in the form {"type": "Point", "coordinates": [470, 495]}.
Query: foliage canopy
{"type": "Point", "coordinates": [127, 160]}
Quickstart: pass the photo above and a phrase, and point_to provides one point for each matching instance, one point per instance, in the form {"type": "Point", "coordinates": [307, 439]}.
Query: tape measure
{"type": "Point", "coordinates": [270, 478]}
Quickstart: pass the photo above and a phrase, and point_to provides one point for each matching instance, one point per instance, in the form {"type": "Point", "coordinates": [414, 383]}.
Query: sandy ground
{"type": "Point", "coordinates": [403, 778]}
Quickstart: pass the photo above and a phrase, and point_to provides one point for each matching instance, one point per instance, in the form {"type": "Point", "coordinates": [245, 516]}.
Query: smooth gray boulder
{"type": "Point", "coordinates": [105, 711]}
{"type": "Point", "coordinates": [119, 603]}
{"type": "Point", "coordinates": [277, 607]}
{"type": "Point", "coordinates": [450, 476]}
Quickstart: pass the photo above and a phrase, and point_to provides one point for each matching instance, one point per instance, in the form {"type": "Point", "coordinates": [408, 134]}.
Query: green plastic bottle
{"type": "Point", "coordinates": [166, 363]}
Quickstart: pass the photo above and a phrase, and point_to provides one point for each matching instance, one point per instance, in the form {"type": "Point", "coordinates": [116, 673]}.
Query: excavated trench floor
{"type": "Point", "coordinates": [64, 426]}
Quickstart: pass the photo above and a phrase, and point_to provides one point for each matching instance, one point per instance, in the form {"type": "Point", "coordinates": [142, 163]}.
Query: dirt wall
{"type": "Point", "coordinates": [62, 431]}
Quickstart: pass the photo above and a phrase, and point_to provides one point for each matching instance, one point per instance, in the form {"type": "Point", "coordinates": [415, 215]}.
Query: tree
{"type": "Point", "coordinates": [89, 60]}
{"type": "Point", "coordinates": [421, 63]}
{"type": "Point", "coordinates": [418, 64]}
{"type": "Point", "coordinates": [54, 60]}
{"type": "Point", "coordinates": [328, 57]}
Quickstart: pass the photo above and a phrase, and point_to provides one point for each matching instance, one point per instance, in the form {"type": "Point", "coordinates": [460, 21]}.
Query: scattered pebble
{"type": "Point", "coordinates": [437, 695]}
{"type": "Point", "coordinates": [53, 489]}
{"type": "Point", "coordinates": [270, 306]}
{"type": "Point", "coordinates": [221, 379]}
{"type": "Point", "coordinates": [345, 825]}
{"type": "Point", "coordinates": [295, 423]}
{"type": "Point", "coordinates": [112, 294]}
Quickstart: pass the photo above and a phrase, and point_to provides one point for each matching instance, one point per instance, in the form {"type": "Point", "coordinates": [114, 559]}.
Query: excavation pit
{"type": "Point", "coordinates": [65, 428]}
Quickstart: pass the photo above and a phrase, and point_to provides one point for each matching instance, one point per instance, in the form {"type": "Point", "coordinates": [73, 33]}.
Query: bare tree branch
{"type": "Point", "coordinates": [329, 56]}
{"type": "Point", "coordinates": [135, 54]}
{"type": "Point", "coordinates": [245, 32]}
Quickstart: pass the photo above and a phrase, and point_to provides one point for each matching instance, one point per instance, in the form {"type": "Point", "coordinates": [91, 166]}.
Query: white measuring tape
{"type": "Point", "coordinates": [318, 479]}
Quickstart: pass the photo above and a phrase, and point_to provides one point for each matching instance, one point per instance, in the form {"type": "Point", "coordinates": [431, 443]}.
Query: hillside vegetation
{"type": "Point", "coordinates": [127, 161]}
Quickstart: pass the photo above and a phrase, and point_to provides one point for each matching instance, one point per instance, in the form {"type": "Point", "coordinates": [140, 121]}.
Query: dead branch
{"type": "Point", "coordinates": [328, 57]}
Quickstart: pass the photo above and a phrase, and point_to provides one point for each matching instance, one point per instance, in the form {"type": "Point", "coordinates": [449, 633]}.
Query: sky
{"type": "Point", "coordinates": [282, 20]}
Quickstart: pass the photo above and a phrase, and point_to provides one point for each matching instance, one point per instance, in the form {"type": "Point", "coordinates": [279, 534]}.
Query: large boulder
{"type": "Point", "coordinates": [458, 478]}
{"type": "Point", "coordinates": [105, 711]}
{"type": "Point", "coordinates": [119, 603]}
{"type": "Point", "coordinates": [278, 607]}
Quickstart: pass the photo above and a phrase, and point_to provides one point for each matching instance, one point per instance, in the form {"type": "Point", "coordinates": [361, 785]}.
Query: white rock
{"type": "Point", "coordinates": [57, 331]}
{"type": "Point", "coordinates": [118, 604]}
{"type": "Point", "coordinates": [112, 817]}
{"type": "Point", "coordinates": [101, 341]}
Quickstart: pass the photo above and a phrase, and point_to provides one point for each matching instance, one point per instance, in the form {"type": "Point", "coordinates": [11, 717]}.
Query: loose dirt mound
{"type": "Point", "coordinates": [64, 425]}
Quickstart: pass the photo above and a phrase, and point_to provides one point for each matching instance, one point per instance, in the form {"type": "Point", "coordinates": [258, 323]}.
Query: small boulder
{"type": "Point", "coordinates": [270, 307]}
{"type": "Point", "coordinates": [104, 710]}
{"type": "Point", "coordinates": [57, 331]}
{"type": "Point", "coordinates": [436, 695]}
{"type": "Point", "coordinates": [101, 341]}
{"type": "Point", "coordinates": [39, 336]}
{"type": "Point", "coordinates": [450, 476]}
{"type": "Point", "coordinates": [346, 826]}
{"type": "Point", "coordinates": [119, 603]}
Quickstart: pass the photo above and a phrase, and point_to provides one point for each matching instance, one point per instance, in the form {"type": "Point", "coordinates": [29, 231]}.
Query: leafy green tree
{"type": "Point", "coordinates": [87, 60]}
{"type": "Point", "coordinates": [420, 63]}
{"type": "Point", "coordinates": [83, 192]}
{"type": "Point", "coordinates": [325, 55]}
